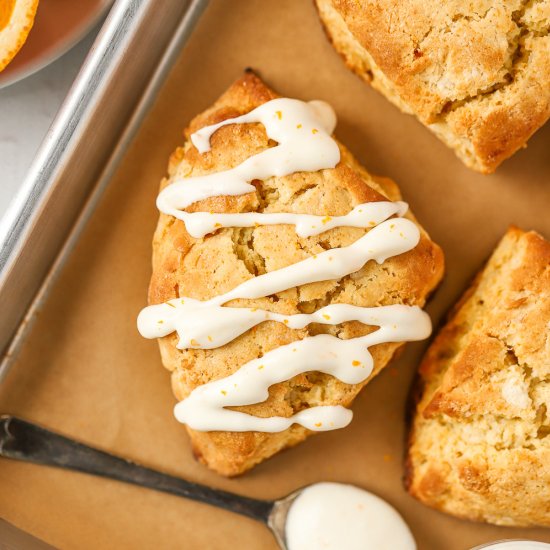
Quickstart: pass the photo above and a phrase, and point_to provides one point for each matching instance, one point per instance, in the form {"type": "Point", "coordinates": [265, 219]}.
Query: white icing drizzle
{"type": "Point", "coordinates": [199, 224]}
{"type": "Point", "coordinates": [348, 360]}
{"type": "Point", "coordinates": [302, 131]}
{"type": "Point", "coordinates": [201, 325]}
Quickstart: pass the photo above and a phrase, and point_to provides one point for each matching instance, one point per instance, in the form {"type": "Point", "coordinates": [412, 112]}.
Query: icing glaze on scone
{"type": "Point", "coordinates": [303, 133]}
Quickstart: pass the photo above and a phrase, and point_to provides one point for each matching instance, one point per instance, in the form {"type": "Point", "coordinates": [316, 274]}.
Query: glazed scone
{"type": "Point", "coordinates": [480, 442]}
{"type": "Point", "coordinates": [203, 268]}
{"type": "Point", "coordinates": [476, 73]}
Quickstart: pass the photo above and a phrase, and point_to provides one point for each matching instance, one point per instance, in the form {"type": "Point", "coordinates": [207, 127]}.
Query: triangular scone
{"type": "Point", "coordinates": [480, 442]}
{"type": "Point", "coordinates": [475, 73]}
{"type": "Point", "coordinates": [207, 267]}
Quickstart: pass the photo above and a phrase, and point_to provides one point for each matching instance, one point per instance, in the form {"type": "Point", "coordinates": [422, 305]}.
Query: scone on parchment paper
{"type": "Point", "coordinates": [210, 266]}
{"type": "Point", "coordinates": [476, 73]}
{"type": "Point", "coordinates": [480, 443]}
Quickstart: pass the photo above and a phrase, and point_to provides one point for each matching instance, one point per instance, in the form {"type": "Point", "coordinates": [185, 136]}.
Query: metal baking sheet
{"type": "Point", "coordinates": [103, 384]}
{"type": "Point", "coordinates": [116, 86]}
{"type": "Point", "coordinates": [114, 90]}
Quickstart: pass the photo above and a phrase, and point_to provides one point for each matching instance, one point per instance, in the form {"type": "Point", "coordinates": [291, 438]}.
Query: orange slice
{"type": "Point", "coordinates": [16, 20]}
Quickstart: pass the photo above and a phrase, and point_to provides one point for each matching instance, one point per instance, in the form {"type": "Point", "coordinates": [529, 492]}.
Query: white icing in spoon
{"type": "Point", "coordinates": [302, 131]}
{"type": "Point", "coordinates": [334, 516]}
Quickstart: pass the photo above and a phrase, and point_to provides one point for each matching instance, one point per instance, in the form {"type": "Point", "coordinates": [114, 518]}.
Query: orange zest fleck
{"type": "Point", "coordinates": [356, 363]}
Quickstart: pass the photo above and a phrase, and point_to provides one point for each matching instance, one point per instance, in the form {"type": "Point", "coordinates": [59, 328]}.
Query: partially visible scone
{"type": "Point", "coordinates": [476, 73]}
{"type": "Point", "coordinates": [480, 441]}
{"type": "Point", "coordinates": [201, 268]}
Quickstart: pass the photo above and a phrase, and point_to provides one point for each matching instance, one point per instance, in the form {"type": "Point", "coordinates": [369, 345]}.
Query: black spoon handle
{"type": "Point", "coordinates": [22, 440]}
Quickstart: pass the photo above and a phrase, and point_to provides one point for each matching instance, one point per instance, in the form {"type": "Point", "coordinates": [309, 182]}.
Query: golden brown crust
{"type": "Point", "coordinates": [480, 443]}
{"type": "Point", "coordinates": [203, 268]}
{"type": "Point", "coordinates": [478, 75]}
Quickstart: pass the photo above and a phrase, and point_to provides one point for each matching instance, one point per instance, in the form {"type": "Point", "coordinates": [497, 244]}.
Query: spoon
{"type": "Point", "coordinates": [22, 440]}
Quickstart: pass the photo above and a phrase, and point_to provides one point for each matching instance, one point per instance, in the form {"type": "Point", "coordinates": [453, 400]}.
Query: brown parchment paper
{"type": "Point", "coordinates": [86, 372]}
